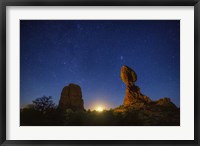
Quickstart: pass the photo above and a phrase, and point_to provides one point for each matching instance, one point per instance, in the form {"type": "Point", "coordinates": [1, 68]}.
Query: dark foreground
{"type": "Point", "coordinates": [148, 116]}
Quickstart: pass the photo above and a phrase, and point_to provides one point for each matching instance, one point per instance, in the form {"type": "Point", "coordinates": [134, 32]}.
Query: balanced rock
{"type": "Point", "coordinates": [71, 98]}
{"type": "Point", "coordinates": [133, 94]}
{"type": "Point", "coordinates": [150, 113]}
{"type": "Point", "coordinates": [128, 75]}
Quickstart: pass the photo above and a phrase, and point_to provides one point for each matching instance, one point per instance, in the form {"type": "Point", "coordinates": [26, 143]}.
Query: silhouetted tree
{"type": "Point", "coordinates": [44, 104]}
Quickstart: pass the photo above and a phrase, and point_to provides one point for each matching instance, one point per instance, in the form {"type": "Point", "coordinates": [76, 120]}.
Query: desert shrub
{"type": "Point", "coordinates": [42, 112]}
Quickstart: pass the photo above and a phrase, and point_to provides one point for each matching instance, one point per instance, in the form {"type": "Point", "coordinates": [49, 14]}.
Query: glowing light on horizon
{"type": "Point", "coordinates": [99, 109]}
{"type": "Point", "coordinates": [98, 104]}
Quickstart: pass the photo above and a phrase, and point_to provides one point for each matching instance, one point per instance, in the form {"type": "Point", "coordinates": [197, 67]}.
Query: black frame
{"type": "Point", "coordinates": [4, 3]}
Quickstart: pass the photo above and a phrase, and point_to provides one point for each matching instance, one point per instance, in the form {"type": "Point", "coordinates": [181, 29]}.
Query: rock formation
{"type": "Point", "coordinates": [71, 98]}
{"type": "Point", "coordinates": [155, 113]}
{"type": "Point", "coordinates": [165, 102]}
{"type": "Point", "coordinates": [133, 94]}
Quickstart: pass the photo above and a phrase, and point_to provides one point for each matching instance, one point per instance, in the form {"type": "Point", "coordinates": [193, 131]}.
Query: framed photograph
{"type": "Point", "coordinates": [99, 72]}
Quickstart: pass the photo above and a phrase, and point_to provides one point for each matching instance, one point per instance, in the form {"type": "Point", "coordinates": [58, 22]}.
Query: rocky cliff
{"type": "Point", "coordinates": [160, 112]}
{"type": "Point", "coordinates": [133, 94]}
{"type": "Point", "coordinates": [71, 98]}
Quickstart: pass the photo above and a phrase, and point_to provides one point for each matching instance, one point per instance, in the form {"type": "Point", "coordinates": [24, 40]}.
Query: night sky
{"type": "Point", "coordinates": [90, 53]}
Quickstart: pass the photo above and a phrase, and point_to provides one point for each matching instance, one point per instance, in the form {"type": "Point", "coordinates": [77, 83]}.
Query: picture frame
{"type": "Point", "coordinates": [5, 3]}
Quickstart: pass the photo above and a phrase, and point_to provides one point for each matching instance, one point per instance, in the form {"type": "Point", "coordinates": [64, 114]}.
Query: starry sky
{"type": "Point", "coordinates": [90, 53]}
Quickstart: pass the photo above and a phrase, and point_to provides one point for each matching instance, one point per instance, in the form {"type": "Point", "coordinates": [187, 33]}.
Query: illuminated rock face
{"type": "Point", "coordinates": [133, 94]}
{"type": "Point", "coordinates": [71, 98]}
{"type": "Point", "coordinates": [165, 102]}
{"type": "Point", "coordinates": [128, 76]}
{"type": "Point", "coordinates": [161, 112]}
